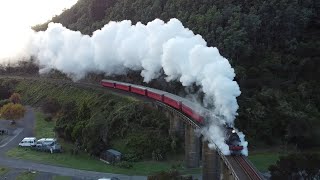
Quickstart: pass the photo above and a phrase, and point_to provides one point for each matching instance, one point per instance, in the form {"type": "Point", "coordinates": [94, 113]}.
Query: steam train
{"type": "Point", "coordinates": [181, 104]}
{"type": "Point", "coordinates": [233, 141]}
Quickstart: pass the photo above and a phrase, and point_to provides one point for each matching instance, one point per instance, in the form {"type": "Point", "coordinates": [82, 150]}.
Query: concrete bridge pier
{"type": "Point", "coordinates": [192, 148]}
{"type": "Point", "coordinates": [210, 163]}
{"type": "Point", "coordinates": [176, 127]}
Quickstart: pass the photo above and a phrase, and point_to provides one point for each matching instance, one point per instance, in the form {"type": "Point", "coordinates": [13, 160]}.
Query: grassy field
{"type": "Point", "coordinates": [83, 160]}
{"type": "Point", "coordinates": [262, 160]}
{"type": "Point", "coordinates": [43, 129]}
{"type": "Point", "coordinates": [26, 176]}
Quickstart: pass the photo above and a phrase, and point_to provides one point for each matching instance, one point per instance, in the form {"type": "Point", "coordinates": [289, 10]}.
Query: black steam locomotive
{"type": "Point", "coordinates": [233, 140]}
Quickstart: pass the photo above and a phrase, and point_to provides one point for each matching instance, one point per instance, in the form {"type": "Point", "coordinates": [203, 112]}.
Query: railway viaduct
{"type": "Point", "coordinates": [215, 165]}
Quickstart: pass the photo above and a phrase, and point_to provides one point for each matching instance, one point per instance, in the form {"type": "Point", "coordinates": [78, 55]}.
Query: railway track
{"type": "Point", "coordinates": [247, 168]}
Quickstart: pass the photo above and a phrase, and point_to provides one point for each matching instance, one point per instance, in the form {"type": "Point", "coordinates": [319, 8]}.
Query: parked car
{"type": "Point", "coordinates": [28, 142]}
{"type": "Point", "coordinates": [47, 145]}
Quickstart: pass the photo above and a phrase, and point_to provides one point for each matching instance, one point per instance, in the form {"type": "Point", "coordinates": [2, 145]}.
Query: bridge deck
{"type": "Point", "coordinates": [243, 168]}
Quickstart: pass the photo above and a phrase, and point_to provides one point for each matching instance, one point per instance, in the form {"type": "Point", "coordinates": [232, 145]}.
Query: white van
{"type": "Point", "coordinates": [46, 142]}
{"type": "Point", "coordinates": [28, 142]}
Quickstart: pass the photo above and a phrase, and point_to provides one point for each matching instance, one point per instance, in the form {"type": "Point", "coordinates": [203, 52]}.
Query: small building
{"type": "Point", "coordinates": [110, 156]}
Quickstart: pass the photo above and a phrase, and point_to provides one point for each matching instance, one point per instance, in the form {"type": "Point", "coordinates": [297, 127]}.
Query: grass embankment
{"type": "Point", "coordinates": [85, 162]}
{"type": "Point", "coordinates": [81, 161]}
{"type": "Point", "coordinates": [34, 92]}
{"type": "Point", "coordinates": [262, 160]}
{"type": "Point", "coordinates": [43, 129]}
{"type": "Point", "coordinates": [26, 176]}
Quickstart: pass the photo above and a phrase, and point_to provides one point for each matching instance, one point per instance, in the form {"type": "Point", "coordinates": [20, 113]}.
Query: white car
{"type": "Point", "coordinates": [28, 142]}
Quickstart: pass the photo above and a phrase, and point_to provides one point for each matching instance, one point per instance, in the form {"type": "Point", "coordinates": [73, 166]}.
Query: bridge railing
{"type": "Point", "coordinates": [182, 116]}
{"type": "Point", "coordinates": [227, 163]}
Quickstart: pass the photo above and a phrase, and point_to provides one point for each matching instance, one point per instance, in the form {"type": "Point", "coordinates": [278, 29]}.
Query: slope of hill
{"type": "Point", "coordinates": [273, 45]}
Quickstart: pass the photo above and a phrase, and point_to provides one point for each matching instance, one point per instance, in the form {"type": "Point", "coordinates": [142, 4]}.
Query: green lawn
{"type": "Point", "coordinates": [43, 129]}
{"type": "Point", "coordinates": [85, 162]}
{"type": "Point", "coordinates": [262, 160]}
{"type": "Point", "coordinates": [26, 176]}
{"type": "Point", "coordinates": [3, 171]}
{"type": "Point", "coordinates": [82, 160]}
{"type": "Point", "coordinates": [61, 178]}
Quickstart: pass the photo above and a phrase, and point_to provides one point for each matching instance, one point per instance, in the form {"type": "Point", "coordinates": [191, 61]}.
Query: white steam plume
{"type": "Point", "coordinates": [119, 46]}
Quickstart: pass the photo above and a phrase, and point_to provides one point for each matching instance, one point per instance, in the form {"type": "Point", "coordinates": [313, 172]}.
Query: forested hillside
{"type": "Point", "coordinates": [273, 45]}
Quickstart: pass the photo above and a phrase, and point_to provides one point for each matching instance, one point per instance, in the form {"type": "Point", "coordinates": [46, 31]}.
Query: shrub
{"type": "Point", "coordinates": [4, 102]}
{"type": "Point", "coordinates": [296, 166]}
{"type": "Point", "coordinates": [131, 157]}
{"type": "Point", "coordinates": [51, 106]}
{"type": "Point", "coordinates": [172, 175]}
{"type": "Point", "coordinates": [15, 98]}
{"type": "Point", "coordinates": [12, 111]}
{"type": "Point", "coordinates": [124, 164]}
{"type": "Point", "coordinates": [48, 117]}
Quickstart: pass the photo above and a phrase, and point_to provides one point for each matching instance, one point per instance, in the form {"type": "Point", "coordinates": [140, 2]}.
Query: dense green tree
{"type": "Point", "coordinates": [51, 106]}
{"type": "Point", "coordinates": [296, 166]}
{"type": "Point", "coordinates": [84, 112]}
{"type": "Point", "coordinates": [66, 120]}
{"type": "Point", "coordinates": [4, 93]}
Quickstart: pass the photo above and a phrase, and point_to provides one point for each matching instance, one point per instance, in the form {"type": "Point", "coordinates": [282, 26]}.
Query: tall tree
{"type": "Point", "coordinates": [296, 166]}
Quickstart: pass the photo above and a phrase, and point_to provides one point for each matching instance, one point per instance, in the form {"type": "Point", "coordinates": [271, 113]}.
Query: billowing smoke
{"type": "Point", "coordinates": [244, 143]}
{"type": "Point", "coordinates": [121, 46]}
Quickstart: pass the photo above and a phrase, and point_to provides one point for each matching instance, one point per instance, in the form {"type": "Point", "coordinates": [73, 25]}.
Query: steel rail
{"type": "Point", "coordinates": [248, 169]}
